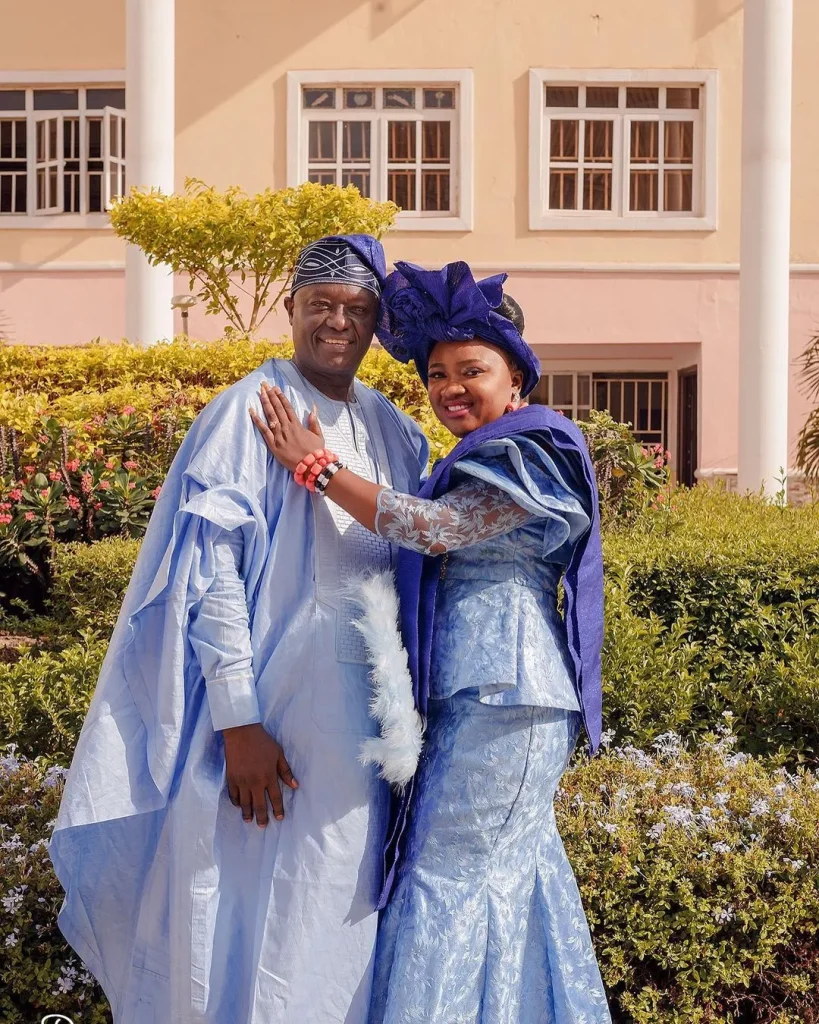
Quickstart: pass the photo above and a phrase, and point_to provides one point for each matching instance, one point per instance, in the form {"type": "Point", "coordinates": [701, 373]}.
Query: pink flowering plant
{"type": "Point", "coordinates": [64, 487]}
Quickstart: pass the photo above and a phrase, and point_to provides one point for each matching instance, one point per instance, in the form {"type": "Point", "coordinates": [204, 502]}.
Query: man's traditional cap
{"type": "Point", "coordinates": [342, 259]}
{"type": "Point", "coordinates": [420, 307]}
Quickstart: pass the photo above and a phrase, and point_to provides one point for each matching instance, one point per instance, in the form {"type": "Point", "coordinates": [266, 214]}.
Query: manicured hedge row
{"type": "Point", "coordinates": [711, 606]}
{"type": "Point", "coordinates": [714, 605]}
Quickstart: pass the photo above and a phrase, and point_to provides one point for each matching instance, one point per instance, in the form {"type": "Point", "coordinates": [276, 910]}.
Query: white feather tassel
{"type": "Point", "coordinates": [398, 748]}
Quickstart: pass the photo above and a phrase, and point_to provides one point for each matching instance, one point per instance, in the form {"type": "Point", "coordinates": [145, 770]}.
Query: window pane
{"type": "Point", "coordinates": [315, 99]}
{"type": "Point", "coordinates": [12, 140]}
{"type": "Point", "coordinates": [361, 180]}
{"type": "Point", "coordinates": [435, 146]}
{"type": "Point", "coordinates": [97, 99]}
{"type": "Point", "coordinates": [642, 406]}
{"type": "Point", "coordinates": [562, 95]}
{"type": "Point", "coordinates": [322, 141]}
{"type": "Point", "coordinates": [679, 142]}
{"type": "Point", "coordinates": [12, 99]}
{"type": "Point", "coordinates": [539, 395]}
{"type": "Point", "coordinates": [114, 141]}
{"type": "Point", "coordinates": [41, 192]}
{"type": "Point", "coordinates": [640, 97]}
{"type": "Point", "coordinates": [644, 142]}
{"type": "Point", "coordinates": [644, 190]}
{"type": "Point", "coordinates": [602, 96]}
{"type": "Point", "coordinates": [597, 190]}
{"type": "Point", "coordinates": [95, 192]}
{"type": "Point", "coordinates": [435, 191]}
{"type": "Point", "coordinates": [682, 99]}
{"type": "Point", "coordinates": [358, 98]}
{"type": "Point", "coordinates": [322, 177]}
{"type": "Point", "coordinates": [52, 187]}
{"type": "Point", "coordinates": [40, 141]}
{"type": "Point", "coordinates": [678, 193]}
{"type": "Point", "coordinates": [599, 141]}
{"type": "Point", "coordinates": [401, 189]}
{"type": "Point", "coordinates": [399, 98]}
{"type": "Point", "coordinates": [584, 389]}
{"type": "Point", "coordinates": [356, 141]}
{"type": "Point", "coordinates": [52, 143]}
{"type": "Point", "coordinates": [71, 138]}
{"type": "Point", "coordinates": [439, 99]}
{"type": "Point", "coordinates": [562, 389]}
{"type": "Point", "coordinates": [71, 193]}
{"type": "Point", "coordinates": [56, 99]}
{"type": "Point", "coordinates": [563, 141]}
{"type": "Point", "coordinates": [563, 190]}
{"type": "Point", "coordinates": [628, 413]}
{"type": "Point", "coordinates": [401, 142]}
{"type": "Point", "coordinates": [656, 421]}
{"type": "Point", "coordinates": [94, 125]}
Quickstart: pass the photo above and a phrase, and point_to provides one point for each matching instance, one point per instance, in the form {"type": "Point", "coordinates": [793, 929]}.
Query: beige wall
{"type": "Point", "coordinates": [233, 56]}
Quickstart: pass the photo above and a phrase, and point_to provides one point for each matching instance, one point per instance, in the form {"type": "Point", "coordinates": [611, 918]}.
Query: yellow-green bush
{"type": "Point", "coordinates": [73, 385]}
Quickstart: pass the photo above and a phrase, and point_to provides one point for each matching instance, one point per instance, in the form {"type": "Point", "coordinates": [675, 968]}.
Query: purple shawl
{"type": "Point", "coordinates": [418, 577]}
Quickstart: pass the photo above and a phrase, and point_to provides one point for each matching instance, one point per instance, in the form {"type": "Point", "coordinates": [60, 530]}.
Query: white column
{"type": "Point", "coordinates": [765, 243]}
{"type": "Point", "coordinates": [149, 86]}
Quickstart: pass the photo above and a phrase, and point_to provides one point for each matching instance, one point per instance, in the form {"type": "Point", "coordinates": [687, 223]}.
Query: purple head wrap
{"type": "Point", "coordinates": [420, 307]}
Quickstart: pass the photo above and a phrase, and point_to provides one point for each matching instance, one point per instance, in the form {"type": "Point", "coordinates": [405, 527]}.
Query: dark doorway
{"type": "Point", "coordinates": [687, 461]}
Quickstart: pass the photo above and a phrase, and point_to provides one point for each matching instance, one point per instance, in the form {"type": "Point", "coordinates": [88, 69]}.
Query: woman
{"type": "Point", "coordinates": [485, 924]}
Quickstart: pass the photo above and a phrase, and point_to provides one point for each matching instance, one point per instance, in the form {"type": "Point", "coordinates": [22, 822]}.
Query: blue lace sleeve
{"type": "Point", "coordinates": [470, 513]}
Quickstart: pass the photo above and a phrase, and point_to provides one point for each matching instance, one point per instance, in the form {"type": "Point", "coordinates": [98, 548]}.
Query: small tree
{"type": "Point", "coordinates": [807, 451]}
{"type": "Point", "coordinates": [230, 243]}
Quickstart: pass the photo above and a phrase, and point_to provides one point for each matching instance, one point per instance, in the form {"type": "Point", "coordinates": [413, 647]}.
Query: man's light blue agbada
{"type": "Point", "coordinates": [184, 912]}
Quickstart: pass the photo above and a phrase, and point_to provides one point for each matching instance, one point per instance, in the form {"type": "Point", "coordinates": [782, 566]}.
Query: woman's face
{"type": "Point", "coordinates": [470, 384]}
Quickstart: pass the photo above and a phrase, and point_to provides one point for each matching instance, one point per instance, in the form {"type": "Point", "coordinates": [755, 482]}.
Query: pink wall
{"type": "Point", "coordinates": [643, 321]}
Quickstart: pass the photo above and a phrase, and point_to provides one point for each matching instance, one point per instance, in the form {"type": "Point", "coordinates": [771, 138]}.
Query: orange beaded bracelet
{"type": "Point", "coordinates": [310, 467]}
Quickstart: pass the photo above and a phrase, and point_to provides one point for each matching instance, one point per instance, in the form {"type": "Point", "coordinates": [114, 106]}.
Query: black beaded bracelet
{"type": "Point", "coordinates": [326, 475]}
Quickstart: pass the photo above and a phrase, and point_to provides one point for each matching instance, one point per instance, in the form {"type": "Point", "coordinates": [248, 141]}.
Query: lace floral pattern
{"type": "Point", "coordinates": [471, 513]}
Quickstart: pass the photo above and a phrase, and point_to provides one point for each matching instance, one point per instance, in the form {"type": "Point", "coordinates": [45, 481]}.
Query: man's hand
{"type": "Point", "coordinates": [255, 763]}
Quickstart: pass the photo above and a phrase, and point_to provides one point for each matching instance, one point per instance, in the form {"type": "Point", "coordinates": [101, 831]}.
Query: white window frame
{"type": "Point", "coordinates": [461, 187]}
{"type": "Point", "coordinates": [541, 218]}
{"type": "Point", "coordinates": [37, 219]}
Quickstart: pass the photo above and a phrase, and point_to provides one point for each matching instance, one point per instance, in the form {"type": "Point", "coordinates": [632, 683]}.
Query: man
{"type": "Point", "coordinates": [236, 680]}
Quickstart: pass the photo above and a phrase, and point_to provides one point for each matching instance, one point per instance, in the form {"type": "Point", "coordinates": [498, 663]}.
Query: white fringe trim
{"type": "Point", "coordinates": [398, 748]}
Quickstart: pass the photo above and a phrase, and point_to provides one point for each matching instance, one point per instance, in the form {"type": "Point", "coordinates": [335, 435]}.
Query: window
{"type": "Point", "coordinates": [402, 139]}
{"type": "Point", "coordinates": [640, 399]}
{"type": "Point", "coordinates": [62, 150]}
{"type": "Point", "coordinates": [623, 150]}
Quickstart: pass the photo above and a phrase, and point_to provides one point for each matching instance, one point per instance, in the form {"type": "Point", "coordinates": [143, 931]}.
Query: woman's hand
{"type": "Point", "coordinates": [287, 438]}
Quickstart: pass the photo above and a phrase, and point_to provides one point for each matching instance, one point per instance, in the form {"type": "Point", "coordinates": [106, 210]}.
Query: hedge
{"type": "Point", "coordinates": [703, 615]}
{"type": "Point", "coordinates": [713, 605]}
{"type": "Point", "coordinates": [698, 873]}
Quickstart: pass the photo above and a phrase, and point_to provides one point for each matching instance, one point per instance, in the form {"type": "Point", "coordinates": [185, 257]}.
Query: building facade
{"type": "Point", "coordinates": [591, 150]}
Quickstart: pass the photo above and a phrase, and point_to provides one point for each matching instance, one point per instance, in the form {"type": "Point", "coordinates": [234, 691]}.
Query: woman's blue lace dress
{"type": "Point", "coordinates": [486, 925]}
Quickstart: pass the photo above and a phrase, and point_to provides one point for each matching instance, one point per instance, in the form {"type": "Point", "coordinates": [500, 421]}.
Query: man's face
{"type": "Point", "coordinates": [333, 327]}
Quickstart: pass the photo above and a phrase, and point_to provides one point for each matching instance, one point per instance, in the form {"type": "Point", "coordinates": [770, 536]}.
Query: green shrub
{"type": "Point", "coordinates": [713, 604]}
{"type": "Point", "coordinates": [39, 973]}
{"type": "Point", "coordinates": [89, 584]}
{"type": "Point", "coordinates": [44, 697]}
{"type": "Point", "coordinates": [700, 878]}
{"type": "Point", "coordinates": [698, 873]}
